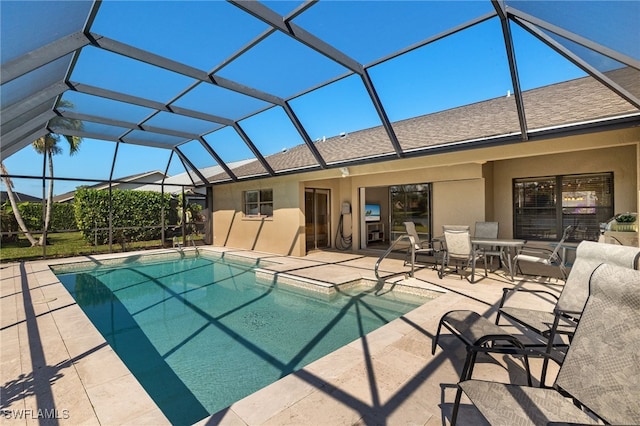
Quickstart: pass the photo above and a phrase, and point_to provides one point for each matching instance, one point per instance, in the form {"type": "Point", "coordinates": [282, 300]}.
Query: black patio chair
{"type": "Point", "coordinates": [564, 317]}
{"type": "Point", "coordinates": [599, 379]}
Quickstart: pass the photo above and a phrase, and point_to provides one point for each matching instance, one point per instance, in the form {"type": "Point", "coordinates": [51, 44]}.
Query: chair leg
{"type": "Point", "coordinates": [442, 265]}
{"type": "Point", "coordinates": [550, 339]}
{"type": "Point", "coordinates": [485, 265]}
{"type": "Point", "coordinates": [434, 342]}
{"type": "Point", "coordinates": [456, 406]}
{"type": "Point", "coordinates": [467, 372]}
{"type": "Point", "coordinates": [467, 369]}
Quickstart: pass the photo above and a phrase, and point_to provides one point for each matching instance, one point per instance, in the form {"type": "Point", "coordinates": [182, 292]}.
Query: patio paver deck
{"type": "Point", "coordinates": [54, 363]}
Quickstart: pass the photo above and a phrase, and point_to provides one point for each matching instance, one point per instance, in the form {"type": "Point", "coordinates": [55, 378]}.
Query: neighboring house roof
{"type": "Point", "coordinates": [557, 105]}
{"type": "Point", "coordinates": [20, 197]}
{"type": "Point", "coordinates": [141, 179]}
{"type": "Point", "coordinates": [183, 179]}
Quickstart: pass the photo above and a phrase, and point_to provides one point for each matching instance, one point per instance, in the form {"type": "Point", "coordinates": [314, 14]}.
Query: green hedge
{"type": "Point", "coordinates": [130, 209]}
{"type": "Point", "coordinates": [62, 217]}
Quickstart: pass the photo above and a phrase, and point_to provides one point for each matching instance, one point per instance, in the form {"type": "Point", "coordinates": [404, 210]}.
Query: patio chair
{"type": "Point", "coordinates": [439, 243]}
{"type": "Point", "coordinates": [488, 230]}
{"type": "Point", "coordinates": [599, 379]}
{"type": "Point", "coordinates": [455, 228]}
{"type": "Point", "coordinates": [570, 303]}
{"type": "Point", "coordinates": [544, 256]}
{"type": "Point", "coordinates": [459, 251]}
{"type": "Point", "coordinates": [420, 247]}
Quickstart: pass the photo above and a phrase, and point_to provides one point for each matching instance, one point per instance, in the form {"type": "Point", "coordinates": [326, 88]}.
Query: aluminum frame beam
{"type": "Point", "coordinates": [579, 62]}
{"type": "Point", "coordinates": [256, 152]}
{"type": "Point", "coordinates": [513, 68]}
{"type": "Point", "coordinates": [589, 44]}
{"type": "Point", "coordinates": [193, 168]}
{"type": "Point", "coordinates": [128, 125]}
{"type": "Point", "coordinates": [297, 33]}
{"type": "Point", "coordinates": [42, 56]}
{"type": "Point", "coordinates": [33, 101]}
{"type": "Point", "coordinates": [147, 103]}
{"type": "Point", "coordinates": [219, 160]}
{"type": "Point", "coordinates": [274, 20]}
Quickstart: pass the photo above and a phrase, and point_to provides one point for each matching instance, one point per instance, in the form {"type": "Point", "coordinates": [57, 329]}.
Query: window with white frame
{"type": "Point", "coordinates": [258, 202]}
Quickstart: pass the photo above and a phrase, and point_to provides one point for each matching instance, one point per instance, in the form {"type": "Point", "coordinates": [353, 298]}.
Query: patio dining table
{"type": "Point", "coordinates": [506, 246]}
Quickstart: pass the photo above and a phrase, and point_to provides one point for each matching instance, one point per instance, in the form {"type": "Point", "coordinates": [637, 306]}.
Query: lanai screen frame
{"type": "Point", "coordinates": [28, 119]}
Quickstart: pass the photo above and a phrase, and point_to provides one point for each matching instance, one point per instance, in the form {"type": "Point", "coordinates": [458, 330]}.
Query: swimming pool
{"type": "Point", "coordinates": [200, 333]}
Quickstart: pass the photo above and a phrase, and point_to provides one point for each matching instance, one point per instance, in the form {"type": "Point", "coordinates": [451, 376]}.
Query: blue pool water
{"type": "Point", "coordinates": [200, 334]}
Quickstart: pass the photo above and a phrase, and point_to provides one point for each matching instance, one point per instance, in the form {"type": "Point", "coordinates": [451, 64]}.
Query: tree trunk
{"type": "Point", "coordinates": [14, 206]}
{"type": "Point", "coordinates": [47, 217]}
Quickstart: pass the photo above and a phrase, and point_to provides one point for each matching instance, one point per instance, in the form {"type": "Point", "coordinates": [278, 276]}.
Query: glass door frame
{"type": "Point", "coordinates": [314, 223]}
{"type": "Point", "coordinates": [417, 194]}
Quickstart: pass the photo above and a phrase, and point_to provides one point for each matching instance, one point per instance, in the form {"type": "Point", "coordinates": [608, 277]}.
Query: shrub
{"type": "Point", "coordinates": [8, 223]}
{"type": "Point", "coordinates": [130, 209]}
{"type": "Point", "coordinates": [62, 217]}
{"type": "Point", "coordinates": [626, 218]}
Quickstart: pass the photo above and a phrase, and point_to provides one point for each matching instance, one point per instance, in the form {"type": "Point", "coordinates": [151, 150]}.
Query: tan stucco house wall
{"type": "Point", "coordinates": [468, 186]}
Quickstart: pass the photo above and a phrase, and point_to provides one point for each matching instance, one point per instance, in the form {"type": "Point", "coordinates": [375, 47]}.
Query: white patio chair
{"type": "Point", "coordinates": [459, 253]}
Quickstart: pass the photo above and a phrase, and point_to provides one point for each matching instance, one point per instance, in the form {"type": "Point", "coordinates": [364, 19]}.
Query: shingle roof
{"type": "Point", "coordinates": [20, 197]}
{"type": "Point", "coordinates": [135, 178]}
{"type": "Point", "coordinates": [555, 105]}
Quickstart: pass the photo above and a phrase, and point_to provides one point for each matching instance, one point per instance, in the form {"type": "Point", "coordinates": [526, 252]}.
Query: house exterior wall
{"type": "Point", "coordinates": [468, 186]}
{"type": "Point", "coordinates": [282, 233]}
{"type": "Point", "coordinates": [619, 160]}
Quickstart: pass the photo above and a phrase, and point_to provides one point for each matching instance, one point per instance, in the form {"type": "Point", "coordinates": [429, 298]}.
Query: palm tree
{"type": "Point", "coordinates": [14, 206]}
{"type": "Point", "coordinates": [48, 144]}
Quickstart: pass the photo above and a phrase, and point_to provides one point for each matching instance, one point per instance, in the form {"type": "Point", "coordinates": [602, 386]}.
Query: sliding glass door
{"type": "Point", "coordinates": [316, 203]}
{"type": "Point", "coordinates": [411, 203]}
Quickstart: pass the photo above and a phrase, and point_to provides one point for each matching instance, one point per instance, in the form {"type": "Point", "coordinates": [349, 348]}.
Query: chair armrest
{"type": "Point", "coordinates": [551, 256]}
{"type": "Point", "coordinates": [535, 251]}
{"type": "Point", "coordinates": [507, 290]}
{"type": "Point", "coordinates": [438, 244]}
{"type": "Point", "coordinates": [515, 351]}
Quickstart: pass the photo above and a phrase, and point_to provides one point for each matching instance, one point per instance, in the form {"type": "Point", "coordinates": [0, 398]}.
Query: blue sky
{"type": "Point", "coordinates": [467, 67]}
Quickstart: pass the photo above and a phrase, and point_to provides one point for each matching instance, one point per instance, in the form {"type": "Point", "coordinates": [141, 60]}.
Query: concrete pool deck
{"type": "Point", "coordinates": [56, 368]}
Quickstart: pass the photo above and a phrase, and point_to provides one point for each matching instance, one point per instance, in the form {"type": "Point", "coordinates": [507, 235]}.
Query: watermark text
{"type": "Point", "coordinates": [51, 413]}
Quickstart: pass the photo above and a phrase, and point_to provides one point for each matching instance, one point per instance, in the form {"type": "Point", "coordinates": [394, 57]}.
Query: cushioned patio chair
{"type": "Point", "coordinates": [544, 256]}
{"type": "Point", "coordinates": [599, 380]}
{"type": "Point", "coordinates": [458, 254]}
{"type": "Point", "coordinates": [569, 305]}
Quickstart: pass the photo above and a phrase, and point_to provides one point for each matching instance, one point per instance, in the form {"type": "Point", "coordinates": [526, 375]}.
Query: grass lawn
{"type": "Point", "coordinates": [66, 245]}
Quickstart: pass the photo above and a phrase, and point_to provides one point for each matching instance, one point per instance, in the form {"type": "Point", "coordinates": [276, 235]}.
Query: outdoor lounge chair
{"type": "Point", "coordinates": [459, 254]}
{"type": "Point", "coordinates": [569, 305]}
{"type": "Point", "coordinates": [544, 256]}
{"type": "Point", "coordinates": [599, 378]}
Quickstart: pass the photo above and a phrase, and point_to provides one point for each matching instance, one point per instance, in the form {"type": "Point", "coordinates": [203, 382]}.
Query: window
{"type": "Point", "coordinates": [258, 203]}
{"type": "Point", "coordinates": [544, 206]}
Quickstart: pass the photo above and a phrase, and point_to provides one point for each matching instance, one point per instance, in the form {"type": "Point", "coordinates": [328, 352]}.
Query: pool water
{"type": "Point", "coordinates": [200, 334]}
